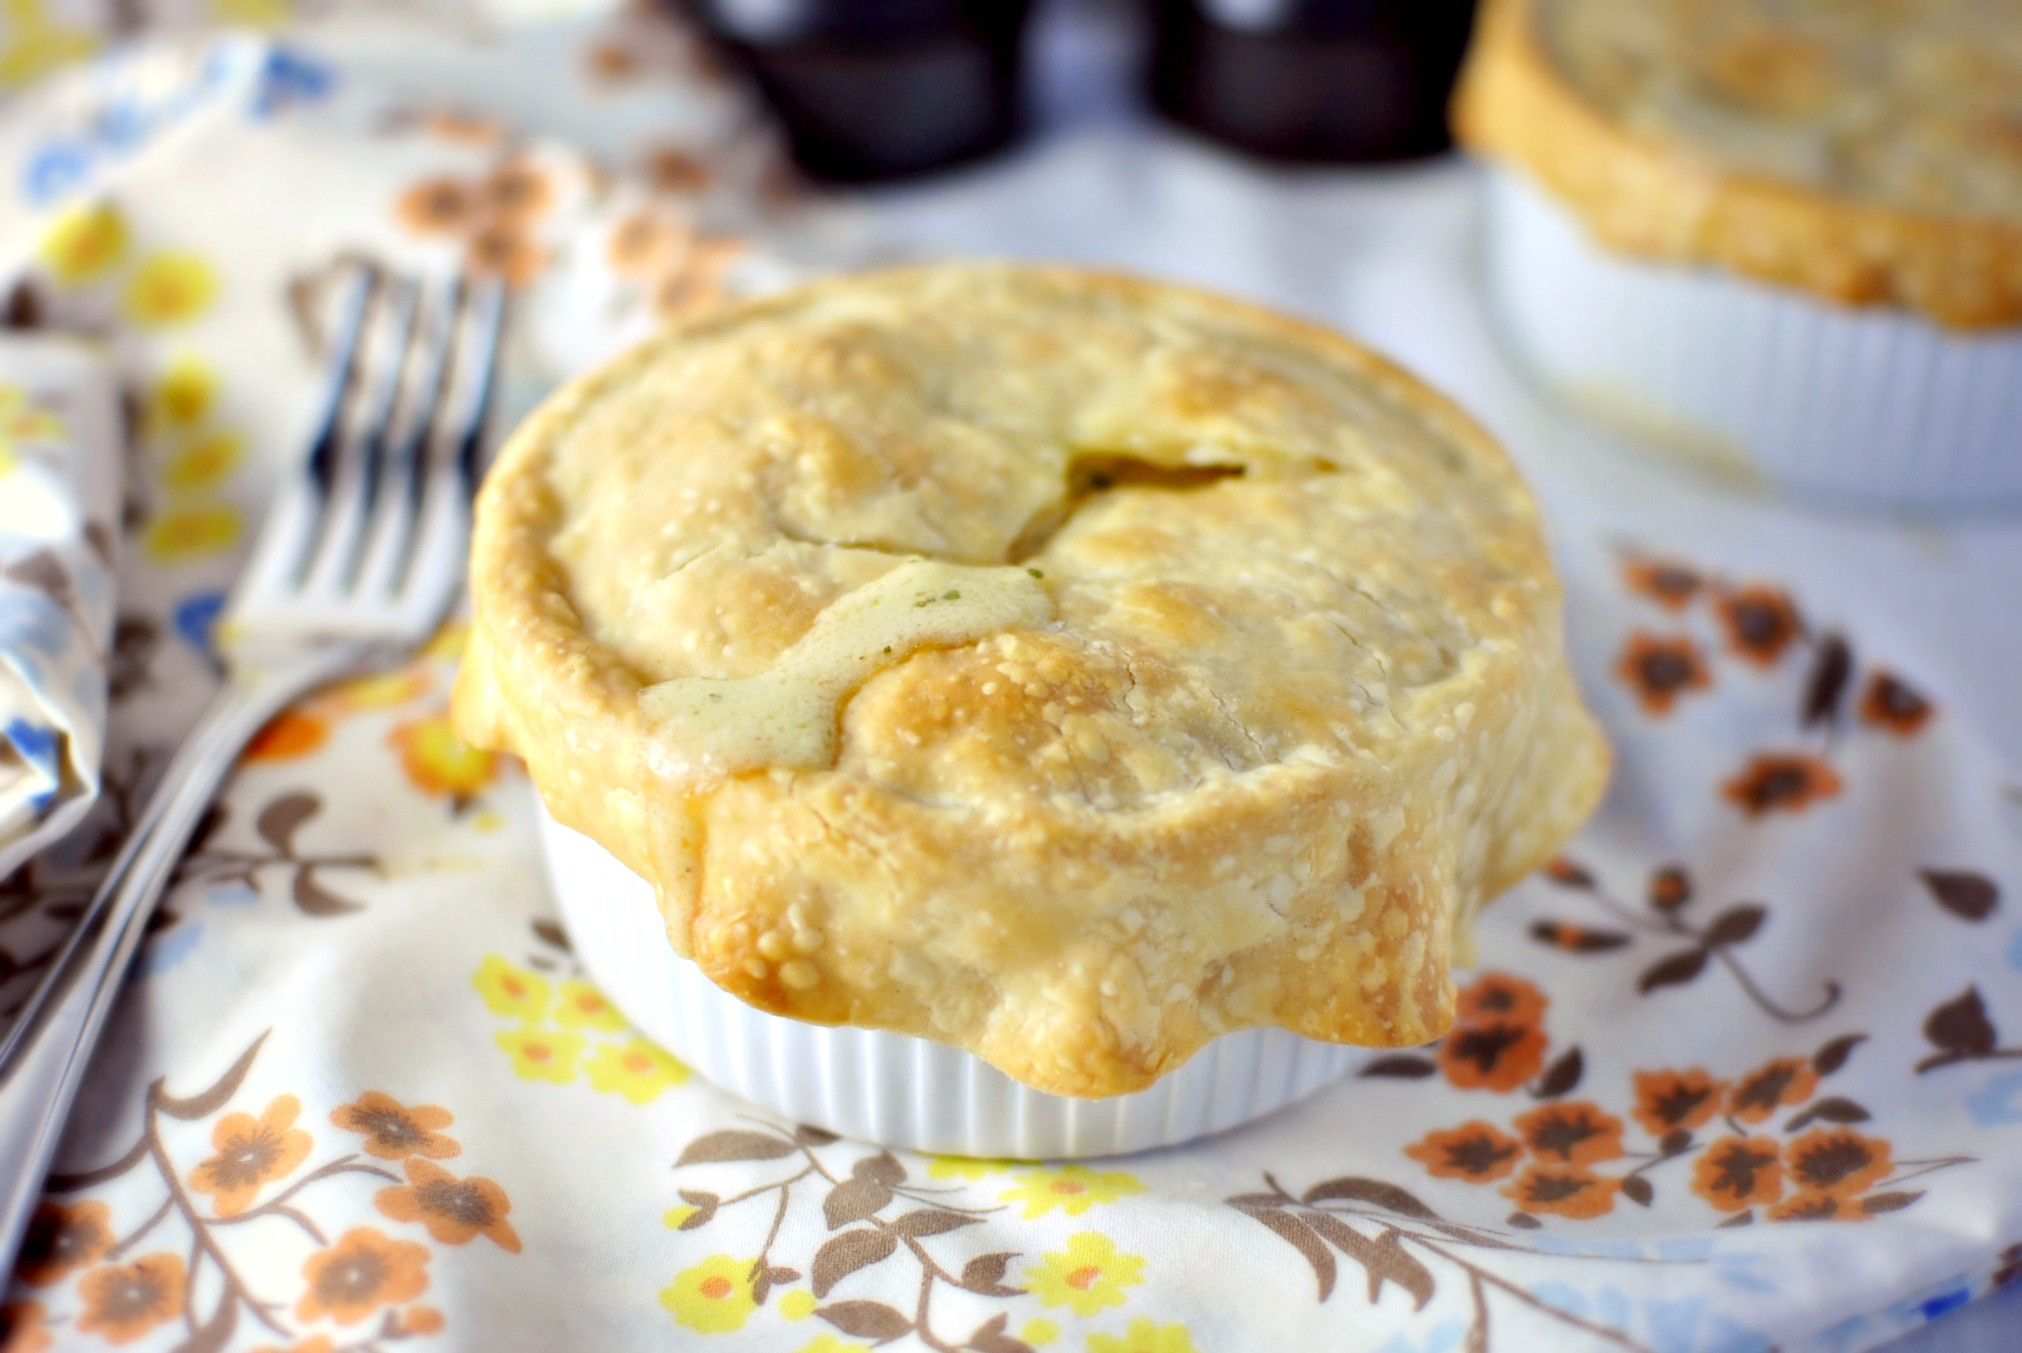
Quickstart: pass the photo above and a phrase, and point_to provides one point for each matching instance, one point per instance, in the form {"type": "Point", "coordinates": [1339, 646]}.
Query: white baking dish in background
{"type": "Point", "coordinates": [1873, 407]}
{"type": "Point", "coordinates": [891, 1088]}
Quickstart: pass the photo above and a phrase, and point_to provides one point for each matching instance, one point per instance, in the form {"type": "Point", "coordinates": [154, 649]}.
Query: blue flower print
{"type": "Point", "coordinates": [54, 171]}
{"type": "Point", "coordinates": [1998, 1102]}
{"type": "Point", "coordinates": [196, 616]}
{"type": "Point", "coordinates": [31, 623]}
{"type": "Point", "coordinates": [290, 78]}
{"type": "Point", "coordinates": [42, 749]}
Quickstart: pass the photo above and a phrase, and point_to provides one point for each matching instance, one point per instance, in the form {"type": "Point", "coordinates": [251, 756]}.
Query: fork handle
{"type": "Point", "coordinates": [45, 1054]}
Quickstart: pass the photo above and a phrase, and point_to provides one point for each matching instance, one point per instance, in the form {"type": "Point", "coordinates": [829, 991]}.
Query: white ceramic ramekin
{"type": "Point", "coordinates": [1874, 407]}
{"type": "Point", "coordinates": [890, 1088]}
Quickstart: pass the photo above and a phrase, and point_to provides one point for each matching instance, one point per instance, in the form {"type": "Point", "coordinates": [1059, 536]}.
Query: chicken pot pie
{"type": "Point", "coordinates": [1866, 151]}
{"type": "Point", "coordinates": [1064, 667]}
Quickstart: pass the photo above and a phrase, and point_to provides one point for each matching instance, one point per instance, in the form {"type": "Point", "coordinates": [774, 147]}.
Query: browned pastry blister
{"type": "Point", "coordinates": [1061, 666]}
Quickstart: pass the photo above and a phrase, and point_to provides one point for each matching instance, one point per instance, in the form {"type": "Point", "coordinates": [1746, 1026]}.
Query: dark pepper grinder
{"type": "Point", "coordinates": [875, 89]}
{"type": "Point", "coordinates": [1327, 80]}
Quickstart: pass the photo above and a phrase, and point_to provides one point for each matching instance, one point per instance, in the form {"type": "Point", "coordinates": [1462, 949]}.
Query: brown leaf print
{"type": "Point", "coordinates": [122, 1302]}
{"type": "Point", "coordinates": [454, 1210]}
{"type": "Point", "coordinates": [1830, 670]}
{"type": "Point", "coordinates": [393, 1131]}
{"type": "Point", "coordinates": [1761, 624]}
{"type": "Point", "coordinates": [1967, 895]}
{"type": "Point", "coordinates": [1782, 782]}
{"type": "Point", "coordinates": [1888, 704]}
{"type": "Point", "coordinates": [1662, 670]}
{"type": "Point", "coordinates": [1962, 1032]}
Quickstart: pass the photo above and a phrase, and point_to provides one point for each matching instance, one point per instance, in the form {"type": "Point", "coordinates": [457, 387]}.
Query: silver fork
{"type": "Point", "coordinates": [359, 561]}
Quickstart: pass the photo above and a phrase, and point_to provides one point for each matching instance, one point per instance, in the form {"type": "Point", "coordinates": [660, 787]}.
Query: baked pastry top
{"type": "Point", "coordinates": [1061, 666]}
{"type": "Point", "coordinates": [1868, 150]}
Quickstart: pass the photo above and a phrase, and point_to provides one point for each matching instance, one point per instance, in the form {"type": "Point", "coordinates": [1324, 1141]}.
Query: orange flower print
{"type": "Point", "coordinates": [645, 242]}
{"type": "Point", "coordinates": [1782, 782]}
{"type": "Point", "coordinates": [517, 193]}
{"type": "Point", "coordinates": [365, 1270]}
{"type": "Point", "coordinates": [438, 206]}
{"type": "Point", "coordinates": [1577, 1133]}
{"type": "Point", "coordinates": [1760, 623]}
{"type": "Point", "coordinates": [697, 283]}
{"type": "Point", "coordinates": [1559, 869]}
{"type": "Point", "coordinates": [1888, 703]}
{"type": "Point", "coordinates": [1737, 1172]}
{"type": "Point", "coordinates": [1499, 1056]}
{"type": "Point", "coordinates": [439, 762]}
{"type": "Point", "coordinates": [1499, 996]}
{"type": "Point", "coordinates": [418, 1320]}
{"type": "Point", "coordinates": [1672, 586]}
{"type": "Point", "coordinates": [451, 125]}
{"type": "Point", "coordinates": [1817, 1207]}
{"type": "Point", "coordinates": [287, 736]}
{"type": "Point", "coordinates": [315, 1343]}
{"type": "Point", "coordinates": [502, 252]}
{"type": "Point", "coordinates": [60, 1240]}
{"type": "Point", "coordinates": [1670, 888]}
{"type": "Point", "coordinates": [1474, 1151]}
{"type": "Point", "coordinates": [1667, 1101]}
{"type": "Point", "coordinates": [393, 1131]}
{"type": "Point", "coordinates": [21, 1328]}
{"type": "Point", "coordinates": [1785, 1081]}
{"type": "Point", "coordinates": [1565, 1191]}
{"type": "Point", "coordinates": [1837, 1162]}
{"type": "Point", "coordinates": [676, 171]}
{"type": "Point", "coordinates": [454, 1210]}
{"type": "Point", "coordinates": [124, 1301]}
{"type": "Point", "coordinates": [251, 1152]}
{"type": "Point", "coordinates": [1660, 670]}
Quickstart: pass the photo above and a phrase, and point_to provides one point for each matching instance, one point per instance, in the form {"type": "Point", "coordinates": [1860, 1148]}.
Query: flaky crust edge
{"type": "Point", "coordinates": [532, 683]}
{"type": "Point", "coordinates": [1660, 200]}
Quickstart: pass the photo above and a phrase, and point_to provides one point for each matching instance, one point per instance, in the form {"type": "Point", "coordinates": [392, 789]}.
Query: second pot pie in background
{"type": "Point", "coordinates": [1692, 194]}
{"type": "Point", "coordinates": [1067, 668]}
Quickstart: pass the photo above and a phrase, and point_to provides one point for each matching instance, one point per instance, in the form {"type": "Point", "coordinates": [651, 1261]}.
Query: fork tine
{"type": "Point", "coordinates": [286, 543]}
{"type": "Point", "coordinates": [396, 510]}
{"type": "Point", "coordinates": [348, 503]}
{"type": "Point", "coordinates": [442, 530]}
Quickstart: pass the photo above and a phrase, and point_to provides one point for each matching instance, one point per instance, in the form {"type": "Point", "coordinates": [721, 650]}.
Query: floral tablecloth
{"type": "Point", "coordinates": [1735, 1070]}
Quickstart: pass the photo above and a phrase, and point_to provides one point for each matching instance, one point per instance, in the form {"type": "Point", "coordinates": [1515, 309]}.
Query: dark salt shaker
{"type": "Point", "coordinates": [1331, 80]}
{"type": "Point", "coordinates": [874, 89]}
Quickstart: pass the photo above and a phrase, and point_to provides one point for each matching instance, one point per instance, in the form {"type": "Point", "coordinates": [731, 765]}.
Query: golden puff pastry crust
{"type": "Point", "coordinates": [1065, 667]}
{"type": "Point", "coordinates": [1867, 151]}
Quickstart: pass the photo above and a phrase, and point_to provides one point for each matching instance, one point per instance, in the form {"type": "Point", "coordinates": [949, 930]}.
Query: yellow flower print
{"type": "Point", "coordinates": [203, 461]}
{"type": "Point", "coordinates": [251, 13]}
{"type": "Point", "coordinates": [798, 1304]}
{"type": "Point", "coordinates": [964, 1167]}
{"type": "Point", "coordinates": [171, 287]}
{"type": "Point", "coordinates": [1039, 1333]}
{"type": "Point", "coordinates": [181, 534]}
{"type": "Point", "coordinates": [542, 1055]}
{"type": "Point", "coordinates": [84, 243]}
{"type": "Point", "coordinates": [512, 991]}
{"type": "Point", "coordinates": [635, 1069]}
{"type": "Point", "coordinates": [437, 761]}
{"type": "Point", "coordinates": [674, 1216]}
{"type": "Point", "coordinates": [1088, 1275]}
{"type": "Point", "coordinates": [828, 1343]}
{"type": "Point", "coordinates": [381, 690]}
{"type": "Point", "coordinates": [36, 46]}
{"type": "Point", "coordinates": [713, 1297]}
{"type": "Point", "coordinates": [1071, 1188]}
{"type": "Point", "coordinates": [21, 421]}
{"type": "Point", "coordinates": [582, 1006]}
{"type": "Point", "coordinates": [183, 397]}
{"type": "Point", "coordinates": [448, 642]}
{"type": "Point", "coordinates": [1144, 1336]}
